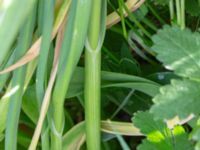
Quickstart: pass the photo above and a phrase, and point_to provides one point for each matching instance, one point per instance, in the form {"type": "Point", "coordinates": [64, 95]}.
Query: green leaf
{"type": "Point", "coordinates": [75, 137]}
{"type": "Point", "coordinates": [70, 53]}
{"type": "Point", "coordinates": [159, 137]}
{"type": "Point", "coordinates": [29, 104]}
{"type": "Point", "coordinates": [13, 14]}
{"type": "Point", "coordinates": [17, 81]}
{"type": "Point", "coordinates": [179, 50]}
{"type": "Point", "coordinates": [180, 98]}
{"type": "Point", "coordinates": [112, 79]}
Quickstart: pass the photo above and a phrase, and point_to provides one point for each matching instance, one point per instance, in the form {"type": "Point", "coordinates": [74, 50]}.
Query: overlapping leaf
{"type": "Point", "coordinates": [11, 21]}
{"type": "Point", "coordinates": [181, 97]}
{"type": "Point", "coordinates": [179, 50]}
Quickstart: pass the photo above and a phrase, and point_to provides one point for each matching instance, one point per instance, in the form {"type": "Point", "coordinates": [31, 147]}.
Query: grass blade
{"type": "Point", "coordinates": [75, 137]}
{"type": "Point", "coordinates": [47, 96]}
{"type": "Point", "coordinates": [42, 64]}
{"type": "Point", "coordinates": [17, 82]}
{"type": "Point", "coordinates": [74, 37]}
{"type": "Point", "coordinates": [34, 51]}
{"type": "Point", "coordinates": [12, 12]}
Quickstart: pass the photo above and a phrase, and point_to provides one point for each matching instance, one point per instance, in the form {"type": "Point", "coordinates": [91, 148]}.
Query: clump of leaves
{"type": "Point", "coordinates": [179, 51]}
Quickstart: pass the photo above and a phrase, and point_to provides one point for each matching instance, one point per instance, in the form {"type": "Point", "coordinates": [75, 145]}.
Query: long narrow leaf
{"type": "Point", "coordinates": [17, 82]}
{"type": "Point", "coordinates": [12, 13]}
{"type": "Point", "coordinates": [74, 38]}
{"type": "Point", "coordinates": [34, 51]}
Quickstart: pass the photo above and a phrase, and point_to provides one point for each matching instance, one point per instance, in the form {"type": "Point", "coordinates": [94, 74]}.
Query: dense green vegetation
{"type": "Point", "coordinates": [99, 74]}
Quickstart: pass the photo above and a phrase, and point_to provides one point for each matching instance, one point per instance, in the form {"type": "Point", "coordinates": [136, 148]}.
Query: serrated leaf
{"type": "Point", "coordinates": [146, 123]}
{"type": "Point", "coordinates": [179, 50]}
{"type": "Point", "coordinates": [159, 137]}
{"type": "Point", "coordinates": [180, 98]}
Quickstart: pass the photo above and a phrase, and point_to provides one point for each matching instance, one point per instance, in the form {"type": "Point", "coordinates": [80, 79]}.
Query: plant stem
{"type": "Point", "coordinates": [182, 14]}
{"type": "Point", "coordinates": [73, 43]}
{"type": "Point", "coordinates": [121, 12]}
{"type": "Point", "coordinates": [137, 23]}
{"type": "Point", "coordinates": [48, 18]}
{"type": "Point", "coordinates": [92, 91]}
{"type": "Point", "coordinates": [17, 83]}
{"type": "Point", "coordinates": [171, 10]}
{"type": "Point", "coordinates": [92, 99]}
{"type": "Point", "coordinates": [155, 13]}
{"type": "Point", "coordinates": [178, 12]}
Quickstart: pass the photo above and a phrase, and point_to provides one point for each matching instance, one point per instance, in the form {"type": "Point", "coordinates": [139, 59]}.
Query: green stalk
{"type": "Point", "coordinates": [182, 14]}
{"type": "Point", "coordinates": [171, 10]}
{"type": "Point", "coordinates": [17, 84]}
{"type": "Point", "coordinates": [45, 46]}
{"type": "Point", "coordinates": [178, 12]}
{"type": "Point", "coordinates": [121, 12]}
{"type": "Point", "coordinates": [93, 74]}
{"type": "Point", "coordinates": [132, 18]}
{"type": "Point", "coordinates": [71, 50]}
{"type": "Point", "coordinates": [48, 18]}
{"type": "Point", "coordinates": [92, 99]}
{"type": "Point", "coordinates": [149, 23]}
{"type": "Point", "coordinates": [40, 16]}
{"type": "Point", "coordinates": [137, 23]}
{"type": "Point", "coordinates": [155, 13]}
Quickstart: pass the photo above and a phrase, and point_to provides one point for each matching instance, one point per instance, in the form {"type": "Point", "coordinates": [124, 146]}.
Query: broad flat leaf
{"type": "Point", "coordinates": [159, 137]}
{"type": "Point", "coordinates": [179, 50]}
{"type": "Point", "coordinates": [181, 97]}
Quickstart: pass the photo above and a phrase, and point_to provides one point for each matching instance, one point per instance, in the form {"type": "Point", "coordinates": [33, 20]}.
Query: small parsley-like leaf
{"type": "Point", "coordinates": [179, 50]}
{"type": "Point", "coordinates": [159, 137]}
{"type": "Point", "coordinates": [180, 98]}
